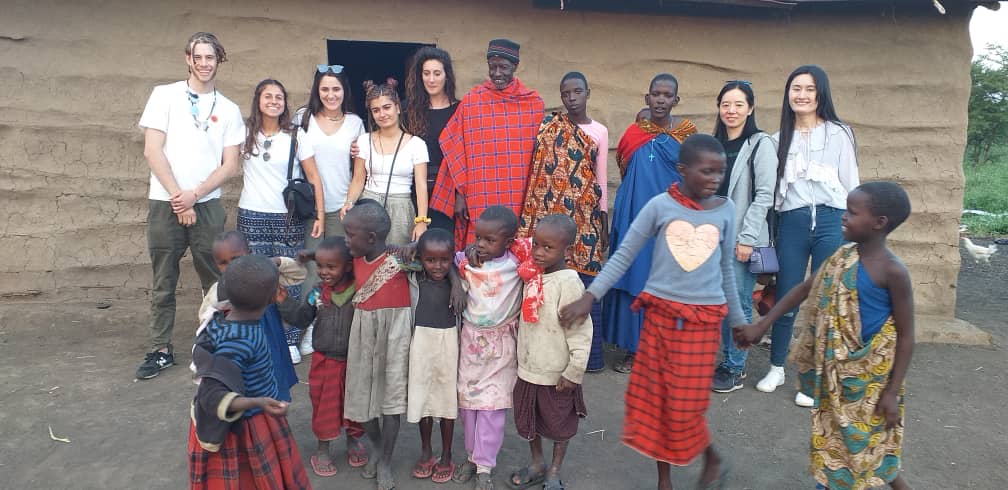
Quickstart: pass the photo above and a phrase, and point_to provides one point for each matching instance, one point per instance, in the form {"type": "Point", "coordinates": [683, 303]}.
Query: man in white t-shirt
{"type": "Point", "coordinates": [191, 139]}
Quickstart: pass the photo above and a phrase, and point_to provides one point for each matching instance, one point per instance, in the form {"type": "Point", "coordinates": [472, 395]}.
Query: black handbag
{"type": "Point", "coordinates": [299, 195]}
{"type": "Point", "coordinates": [764, 259]}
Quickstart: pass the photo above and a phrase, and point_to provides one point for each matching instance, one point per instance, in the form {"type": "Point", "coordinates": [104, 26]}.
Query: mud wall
{"type": "Point", "coordinates": [76, 76]}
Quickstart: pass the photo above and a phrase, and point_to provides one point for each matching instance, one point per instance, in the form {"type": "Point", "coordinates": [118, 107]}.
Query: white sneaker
{"type": "Point", "coordinates": [306, 341]}
{"type": "Point", "coordinates": [773, 379]}
{"type": "Point", "coordinates": [803, 400]}
{"type": "Point", "coordinates": [295, 355]}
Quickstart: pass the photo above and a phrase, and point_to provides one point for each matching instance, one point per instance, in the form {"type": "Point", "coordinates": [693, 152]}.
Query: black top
{"type": "Point", "coordinates": [432, 306]}
{"type": "Point", "coordinates": [732, 148]}
{"type": "Point", "coordinates": [437, 119]}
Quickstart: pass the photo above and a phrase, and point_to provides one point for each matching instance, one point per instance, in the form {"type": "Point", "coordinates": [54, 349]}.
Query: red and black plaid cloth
{"type": "Point", "coordinates": [670, 384]}
{"type": "Point", "coordinates": [487, 148]}
{"type": "Point", "coordinates": [326, 384]}
{"type": "Point", "coordinates": [259, 453]}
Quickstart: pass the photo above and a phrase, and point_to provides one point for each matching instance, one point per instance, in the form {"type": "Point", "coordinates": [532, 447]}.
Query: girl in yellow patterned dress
{"type": "Point", "coordinates": [854, 346]}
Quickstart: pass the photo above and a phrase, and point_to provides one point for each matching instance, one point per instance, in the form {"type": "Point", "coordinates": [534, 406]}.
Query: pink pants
{"type": "Point", "coordinates": [484, 436]}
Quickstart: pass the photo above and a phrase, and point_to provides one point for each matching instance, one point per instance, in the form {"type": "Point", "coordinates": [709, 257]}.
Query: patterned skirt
{"type": "Point", "coordinates": [258, 453]}
{"type": "Point", "coordinates": [670, 384]}
{"type": "Point", "coordinates": [270, 234]}
{"type": "Point", "coordinates": [326, 388]}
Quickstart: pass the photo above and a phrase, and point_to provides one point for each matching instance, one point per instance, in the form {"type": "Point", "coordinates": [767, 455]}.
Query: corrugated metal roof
{"type": "Point", "coordinates": [764, 7]}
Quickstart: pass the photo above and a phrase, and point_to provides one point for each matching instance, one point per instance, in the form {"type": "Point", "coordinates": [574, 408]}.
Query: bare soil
{"type": "Point", "coordinates": [70, 367]}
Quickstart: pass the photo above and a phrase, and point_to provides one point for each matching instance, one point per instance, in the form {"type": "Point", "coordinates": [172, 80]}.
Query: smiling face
{"type": "Point", "coordinates": [661, 98]}
{"type": "Point", "coordinates": [734, 109]}
{"type": "Point", "coordinates": [331, 93]}
{"type": "Point", "coordinates": [574, 95]}
{"type": "Point", "coordinates": [272, 102]}
{"type": "Point", "coordinates": [492, 239]}
{"type": "Point", "coordinates": [433, 74]}
{"type": "Point", "coordinates": [550, 247]}
{"type": "Point", "coordinates": [703, 177]}
{"type": "Point", "coordinates": [333, 268]}
{"type": "Point", "coordinates": [385, 111]}
{"type": "Point", "coordinates": [437, 259]}
{"type": "Point", "coordinates": [202, 62]}
{"type": "Point", "coordinates": [802, 95]}
{"type": "Point", "coordinates": [501, 71]}
{"type": "Point", "coordinates": [858, 223]}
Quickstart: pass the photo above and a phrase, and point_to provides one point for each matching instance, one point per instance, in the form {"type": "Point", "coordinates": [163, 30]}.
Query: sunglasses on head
{"type": "Point", "coordinates": [747, 83]}
{"type": "Point", "coordinates": [335, 69]}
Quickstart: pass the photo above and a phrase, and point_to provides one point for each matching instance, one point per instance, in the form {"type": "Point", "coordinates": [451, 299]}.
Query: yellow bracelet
{"type": "Point", "coordinates": [421, 219]}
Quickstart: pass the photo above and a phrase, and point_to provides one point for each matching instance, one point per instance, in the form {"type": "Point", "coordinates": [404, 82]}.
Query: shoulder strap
{"type": "Point", "coordinates": [293, 155]}
{"type": "Point", "coordinates": [771, 214]}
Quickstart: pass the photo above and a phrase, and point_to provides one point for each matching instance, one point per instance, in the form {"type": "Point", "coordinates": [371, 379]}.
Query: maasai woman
{"type": "Point", "coordinates": [647, 156]}
{"type": "Point", "coordinates": [569, 177]}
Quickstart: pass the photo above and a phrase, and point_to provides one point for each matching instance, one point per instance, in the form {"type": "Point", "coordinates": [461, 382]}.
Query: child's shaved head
{"type": "Point", "coordinates": [562, 223]}
{"type": "Point", "coordinates": [372, 216]}
{"type": "Point", "coordinates": [503, 216]}
{"type": "Point", "coordinates": [232, 239]}
{"type": "Point", "coordinates": [250, 282]}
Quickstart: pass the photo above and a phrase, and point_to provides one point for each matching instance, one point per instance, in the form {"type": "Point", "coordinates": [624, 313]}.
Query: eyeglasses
{"type": "Point", "coordinates": [266, 146]}
{"type": "Point", "coordinates": [747, 83]}
{"type": "Point", "coordinates": [335, 69]}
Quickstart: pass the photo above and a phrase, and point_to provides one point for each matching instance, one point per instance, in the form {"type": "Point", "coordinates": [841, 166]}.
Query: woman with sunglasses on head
{"type": "Point", "coordinates": [390, 160]}
{"type": "Point", "coordinates": [750, 173]}
{"type": "Point", "coordinates": [332, 129]}
{"type": "Point", "coordinates": [262, 213]}
{"type": "Point", "coordinates": [430, 103]}
{"type": "Point", "coordinates": [816, 168]}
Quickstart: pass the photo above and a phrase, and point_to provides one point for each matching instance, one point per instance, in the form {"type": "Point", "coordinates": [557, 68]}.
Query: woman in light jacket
{"type": "Point", "coordinates": [749, 183]}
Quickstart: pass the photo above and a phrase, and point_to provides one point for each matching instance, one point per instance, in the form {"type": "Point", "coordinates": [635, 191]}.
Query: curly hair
{"type": "Point", "coordinates": [206, 38]}
{"type": "Point", "coordinates": [417, 99]}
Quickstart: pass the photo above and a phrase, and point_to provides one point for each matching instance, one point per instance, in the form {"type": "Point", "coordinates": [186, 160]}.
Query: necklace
{"type": "Point", "coordinates": [194, 108]}
{"type": "Point", "coordinates": [334, 119]}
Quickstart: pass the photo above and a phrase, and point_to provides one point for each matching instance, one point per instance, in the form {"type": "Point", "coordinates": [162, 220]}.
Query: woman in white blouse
{"type": "Point", "coordinates": [389, 162]}
{"type": "Point", "coordinates": [817, 167]}
{"type": "Point", "coordinates": [262, 214]}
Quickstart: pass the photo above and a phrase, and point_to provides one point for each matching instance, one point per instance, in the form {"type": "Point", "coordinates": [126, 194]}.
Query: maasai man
{"type": "Point", "coordinates": [647, 155]}
{"type": "Point", "coordinates": [487, 145]}
{"type": "Point", "coordinates": [569, 177]}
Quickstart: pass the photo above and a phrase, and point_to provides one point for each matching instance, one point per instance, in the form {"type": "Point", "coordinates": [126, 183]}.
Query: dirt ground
{"type": "Point", "coordinates": [70, 367]}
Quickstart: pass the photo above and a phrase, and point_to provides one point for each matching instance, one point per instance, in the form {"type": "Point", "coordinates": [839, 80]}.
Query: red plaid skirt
{"type": "Point", "coordinates": [259, 452]}
{"type": "Point", "coordinates": [326, 385]}
{"type": "Point", "coordinates": [670, 384]}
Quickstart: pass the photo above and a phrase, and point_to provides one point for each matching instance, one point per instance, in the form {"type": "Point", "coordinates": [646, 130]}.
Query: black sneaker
{"type": "Point", "coordinates": [154, 362]}
{"type": "Point", "coordinates": [725, 381]}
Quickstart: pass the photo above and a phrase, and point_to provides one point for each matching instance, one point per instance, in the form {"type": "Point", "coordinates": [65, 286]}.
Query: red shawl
{"type": "Point", "coordinates": [487, 148]}
{"type": "Point", "coordinates": [639, 133]}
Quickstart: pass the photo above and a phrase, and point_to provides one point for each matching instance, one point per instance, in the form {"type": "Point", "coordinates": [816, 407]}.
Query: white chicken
{"type": "Point", "coordinates": [977, 252]}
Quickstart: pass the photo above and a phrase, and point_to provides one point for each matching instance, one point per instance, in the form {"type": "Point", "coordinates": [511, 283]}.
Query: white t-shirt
{"type": "Point", "coordinates": [412, 152]}
{"type": "Point", "coordinates": [264, 181]}
{"type": "Point", "coordinates": [332, 156]}
{"type": "Point", "coordinates": [192, 153]}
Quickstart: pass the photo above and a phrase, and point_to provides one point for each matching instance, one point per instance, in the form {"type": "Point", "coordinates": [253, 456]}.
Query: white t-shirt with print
{"type": "Point", "coordinates": [412, 152]}
{"type": "Point", "coordinates": [332, 156]}
{"type": "Point", "coordinates": [192, 153]}
{"type": "Point", "coordinates": [264, 181]}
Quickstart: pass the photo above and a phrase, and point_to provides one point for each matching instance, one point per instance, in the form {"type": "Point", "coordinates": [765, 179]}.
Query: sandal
{"type": "Point", "coordinates": [556, 484]}
{"type": "Point", "coordinates": [625, 365]}
{"type": "Point", "coordinates": [357, 456]}
{"type": "Point", "coordinates": [443, 473]}
{"type": "Point", "coordinates": [424, 469]}
{"type": "Point", "coordinates": [526, 477]}
{"type": "Point", "coordinates": [464, 472]}
{"type": "Point", "coordinates": [320, 469]}
{"type": "Point", "coordinates": [370, 471]}
{"type": "Point", "coordinates": [484, 482]}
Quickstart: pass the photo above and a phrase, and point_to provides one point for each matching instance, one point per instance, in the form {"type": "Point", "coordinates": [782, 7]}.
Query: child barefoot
{"type": "Point", "coordinates": [689, 290]}
{"type": "Point", "coordinates": [551, 360]}
{"type": "Point", "coordinates": [261, 452]}
{"type": "Point", "coordinates": [378, 350]}
{"type": "Point", "coordinates": [329, 306]}
{"type": "Point", "coordinates": [854, 346]}
{"type": "Point", "coordinates": [433, 358]}
{"type": "Point", "coordinates": [487, 354]}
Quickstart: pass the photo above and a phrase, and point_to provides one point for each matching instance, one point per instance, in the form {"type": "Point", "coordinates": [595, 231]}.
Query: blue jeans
{"type": "Point", "coordinates": [796, 243]}
{"type": "Point", "coordinates": [733, 358]}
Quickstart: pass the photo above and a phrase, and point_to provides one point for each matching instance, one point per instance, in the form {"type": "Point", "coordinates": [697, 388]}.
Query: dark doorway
{"type": "Point", "coordinates": [371, 60]}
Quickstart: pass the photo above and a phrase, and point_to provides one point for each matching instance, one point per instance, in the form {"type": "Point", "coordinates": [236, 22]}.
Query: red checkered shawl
{"type": "Point", "coordinates": [487, 149]}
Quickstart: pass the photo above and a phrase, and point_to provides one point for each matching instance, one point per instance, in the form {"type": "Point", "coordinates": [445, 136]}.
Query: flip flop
{"type": "Point", "coordinates": [464, 472]}
{"type": "Point", "coordinates": [554, 485]}
{"type": "Point", "coordinates": [445, 470]}
{"type": "Point", "coordinates": [316, 466]}
{"type": "Point", "coordinates": [357, 456]}
{"type": "Point", "coordinates": [526, 477]}
{"type": "Point", "coordinates": [484, 481]}
{"type": "Point", "coordinates": [424, 469]}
